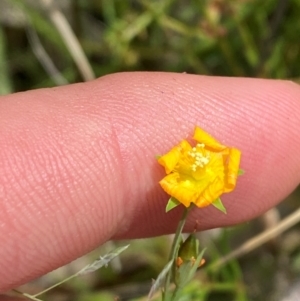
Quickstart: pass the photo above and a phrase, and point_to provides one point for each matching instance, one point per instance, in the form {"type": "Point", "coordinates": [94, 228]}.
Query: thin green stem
{"type": "Point", "coordinates": [174, 250]}
{"type": "Point", "coordinates": [59, 283]}
{"type": "Point", "coordinates": [178, 233]}
{"type": "Point", "coordinates": [176, 293]}
{"type": "Point", "coordinates": [26, 295]}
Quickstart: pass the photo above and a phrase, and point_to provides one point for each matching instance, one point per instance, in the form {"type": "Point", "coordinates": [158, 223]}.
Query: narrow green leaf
{"type": "Point", "coordinates": [196, 264]}
{"type": "Point", "coordinates": [241, 172]}
{"type": "Point", "coordinates": [172, 203]}
{"type": "Point", "coordinates": [219, 205]}
{"type": "Point", "coordinates": [160, 278]}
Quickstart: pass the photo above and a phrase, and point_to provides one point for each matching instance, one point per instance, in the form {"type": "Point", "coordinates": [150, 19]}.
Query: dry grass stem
{"type": "Point", "coordinates": [69, 38]}
{"type": "Point", "coordinates": [259, 240]}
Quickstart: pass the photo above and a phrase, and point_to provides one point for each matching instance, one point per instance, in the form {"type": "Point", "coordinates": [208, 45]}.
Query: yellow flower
{"type": "Point", "coordinates": [200, 174]}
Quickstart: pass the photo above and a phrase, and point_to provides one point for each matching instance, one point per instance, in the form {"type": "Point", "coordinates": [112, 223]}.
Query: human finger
{"type": "Point", "coordinates": [78, 166]}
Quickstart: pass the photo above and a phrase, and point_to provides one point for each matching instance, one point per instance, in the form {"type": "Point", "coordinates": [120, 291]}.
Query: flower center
{"type": "Point", "coordinates": [200, 159]}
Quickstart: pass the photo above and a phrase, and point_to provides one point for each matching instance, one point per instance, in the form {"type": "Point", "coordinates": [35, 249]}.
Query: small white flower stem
{"type": "Point", "coordinates": [174, 252]}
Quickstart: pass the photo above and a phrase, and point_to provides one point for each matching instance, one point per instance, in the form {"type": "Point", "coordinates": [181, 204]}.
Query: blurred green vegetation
{"type": "Point", "coordinates": [251, 38]}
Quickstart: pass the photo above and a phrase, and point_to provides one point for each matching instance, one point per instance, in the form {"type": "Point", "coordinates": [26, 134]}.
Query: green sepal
{"type": "Point", "coordinates": [172, 203]}
{"type": "Point", "coordinates": [241, 172]}
{"type": "Point", "coordinates": [219, 205]}
{"type": "Point", "coordinates": [158, 156]}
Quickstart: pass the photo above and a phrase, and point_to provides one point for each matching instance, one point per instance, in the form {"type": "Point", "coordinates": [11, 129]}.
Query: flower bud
{"type": "Point", "coordinates": [188, 260]}
{"type": "Point", "coordinates": [189, 250]}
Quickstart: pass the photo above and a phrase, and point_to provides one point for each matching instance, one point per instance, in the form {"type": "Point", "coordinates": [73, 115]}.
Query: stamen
{"type": "Point", "coordinates": [200, 160]}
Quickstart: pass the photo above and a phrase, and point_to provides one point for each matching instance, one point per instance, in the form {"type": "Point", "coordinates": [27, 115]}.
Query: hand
{"type": "Point", "coordinates": [78, 168]}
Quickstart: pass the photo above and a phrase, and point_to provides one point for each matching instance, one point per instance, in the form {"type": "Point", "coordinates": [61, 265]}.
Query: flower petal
{"type": "Point", "coordinates": [210, 194]}
{"type": "Point", "coordinates": [232, 169]}
{"type": "Point", "coordinates": [182, 190]}
{"type": "Point", "coordinates": [211, 143]}
{"type": "Point", "coordinates": [170, 160]}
